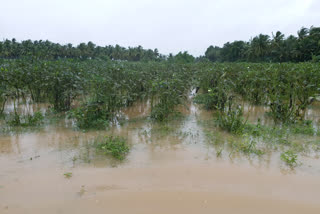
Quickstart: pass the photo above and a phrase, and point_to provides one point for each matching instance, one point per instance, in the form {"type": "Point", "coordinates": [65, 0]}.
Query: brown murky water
{"type": "Point", "coordinates": [172, 168]}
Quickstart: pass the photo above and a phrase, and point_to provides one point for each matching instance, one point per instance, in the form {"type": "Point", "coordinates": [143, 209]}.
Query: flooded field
{"type": "Point", "coordinates": [186, 165]}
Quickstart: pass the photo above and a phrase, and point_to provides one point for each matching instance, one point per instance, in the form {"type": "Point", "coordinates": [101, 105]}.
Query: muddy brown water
{"type": "Point", "coordinates": [171, 168]}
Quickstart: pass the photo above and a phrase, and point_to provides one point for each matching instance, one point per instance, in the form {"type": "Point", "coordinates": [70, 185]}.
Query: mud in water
{"type": "Point", "coordinates": [171, 168]}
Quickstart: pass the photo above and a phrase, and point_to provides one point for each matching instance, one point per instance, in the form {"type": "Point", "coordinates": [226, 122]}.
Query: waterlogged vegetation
{"type": "Point", "coordinates": [68, 175]}
{"type": "Point", "coordinates": [290, 158]}
{"type": "Point", "coordinates": [93, 94]}
{"type": "Point", "coordinates": [117, 147]}
{"type": "Point", "coordinates": [16, 119]}
{"type": "Point", "coordinates": [87, 127]}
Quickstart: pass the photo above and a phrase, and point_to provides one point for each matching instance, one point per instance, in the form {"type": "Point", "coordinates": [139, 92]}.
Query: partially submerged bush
{"type": "Point", "coordinates": [290, 158]}
{"type": "Point", "coordinates": [247, 146]}
{"type": "Point", "coordinates": [290, 91]}
{"type": "Point", "coordinates": [25, 120]}
{"type": "Point", "coordinates": [213, 99]}
{"type": "Point", "coordinates": [91, 115]}
{"type": "Point", "coordinates": [283, 111]}
{"type": "Point", "coordinates": [3, 100]}
{"type": "Point", "coordinates": [117, 147]}
{"type": "Point", "coordinates": [216, 88]}
{"type": "Point", "coordinates": [166, 96]}
{"type": "Point", "coordinates": [232, 120]}
{"type": "Point", "coordinates": [161, 113]}
{"type": "Point", "coordinates": [304, 127]}
{"type": "Point", "coordinates": [255, 129]}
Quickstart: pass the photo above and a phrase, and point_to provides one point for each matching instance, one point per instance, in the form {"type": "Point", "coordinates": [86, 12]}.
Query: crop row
{"type": "Point", "coordinates": [103, 88]}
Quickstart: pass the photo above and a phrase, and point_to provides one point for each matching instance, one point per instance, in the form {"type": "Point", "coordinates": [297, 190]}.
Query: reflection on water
{"type": "Point", "coordinates": [253, 113]}
{"type": "Point", "coordinates": [191, 138]}
{"type": "Point", "coordinates": [25, 106]}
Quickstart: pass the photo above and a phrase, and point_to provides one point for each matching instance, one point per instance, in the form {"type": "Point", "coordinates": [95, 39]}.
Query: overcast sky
{"type": "Point", "coordinates": [169, 25]}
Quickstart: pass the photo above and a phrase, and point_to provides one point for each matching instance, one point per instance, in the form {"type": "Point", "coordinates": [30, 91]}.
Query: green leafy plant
{"type": "Point", "coordinates": [90, 115]}
{"type": "Point", "coordinates": [247, 146]}
{"type": "Point", "coordinates": [290, 158]}
{"type": "Point", "coordinates": [15, 119]}
{"type": "Point", "coordinates": [216, 87]}
{"type": "Point", "coordinates": [68, 175]}
{"type": "Point", "coordinates": [303, 127]}
{"type": "Point", "coordinates": [219, 152]}
{"type": "Point", "coordinates": [117, 147]}
{"type": "Point", "coordinates": [232, 120]}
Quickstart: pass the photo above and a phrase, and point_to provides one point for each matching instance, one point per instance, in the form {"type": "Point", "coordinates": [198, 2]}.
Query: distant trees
{"type": "Point", "coordinates": [11, 49]}
{"type": "Point", "coordinates": [213, 53]}
{"type": "Point", "coordinates": [183, 57]}
{"type": "Point", "coordinates": [234, 51]}
{"type": "Point", "coordinates": [259, 49]}
{"type": "Point", "coordinates": [277, 48]}
{"type": "Point", "coordinates": [263, 48]}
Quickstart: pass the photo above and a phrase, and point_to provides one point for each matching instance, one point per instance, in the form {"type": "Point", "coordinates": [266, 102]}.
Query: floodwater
{"type": "Point", "coordinates": [171, 168]}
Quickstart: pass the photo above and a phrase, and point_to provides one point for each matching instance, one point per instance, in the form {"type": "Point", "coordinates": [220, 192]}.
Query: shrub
{"type": "Point", "coordinates": [248, 146]}
{"type": "Point", "coordinates": [232, 120]}
{"type": "Point", "coordinates": [290, 158]}
{"type": "Point", "coordinates": [25, 120]}
{"type": "Point", "coordinates": [304, 127]}
{"type": "Point", "coordinates": [117, 147]}
{"type": "Point", "coordinates": [91, 115]}
{"type": "Point", "coordinates": [160, 112]}
{"type": "Point", "coordinates": [214, 99]}
{"type": "Point", "coordinates": [315, 58]}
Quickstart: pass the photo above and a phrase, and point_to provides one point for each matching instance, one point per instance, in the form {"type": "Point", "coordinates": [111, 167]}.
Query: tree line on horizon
{"type": "Point", "coordinates": [262, 48]}
{"type": "Point", "coordinates": [11, 49]}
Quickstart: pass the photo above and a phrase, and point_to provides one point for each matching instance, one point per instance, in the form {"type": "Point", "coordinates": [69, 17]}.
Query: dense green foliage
{"type": "Point", "coordinates": [46, 50]}
{"type": "Point", "coordinates": [278, 48]}
{"type": "Point", "coordinates": [96, 91]}
{"type": "Point", "coordinates": [232, 120]}
{"type": "Point", "coordinates": [262, 48]}
{"type": "Point", "coordinates": [11, 49]}
{"type": "Point", "coordinates": [287, 89]}
{"type": "Point", "coordinates": [25, 120]}
{"type": "Point", "coordinates": [94, 94]}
